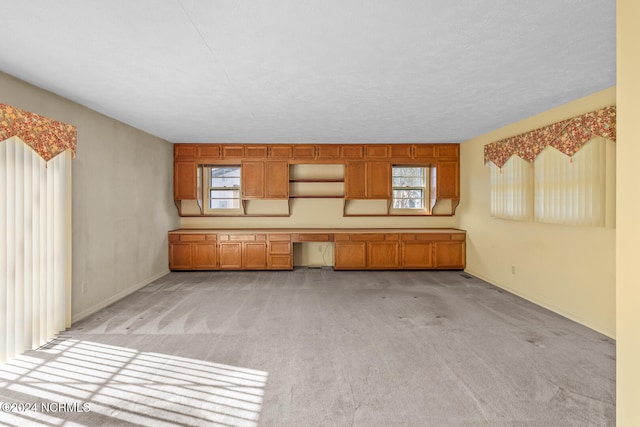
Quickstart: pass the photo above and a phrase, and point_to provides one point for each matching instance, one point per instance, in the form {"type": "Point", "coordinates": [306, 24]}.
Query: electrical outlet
{"type": "Point", "coordinates": [513, 269]}
{"type": "Point", "coordinates": [84, 287]}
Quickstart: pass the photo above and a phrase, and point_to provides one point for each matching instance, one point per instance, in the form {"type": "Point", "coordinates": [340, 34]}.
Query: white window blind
{"type": "Point", "coordinates": [35, 247]}
{"type": "Point", "coordinates": [571, 190]}
{"type": "Point", "coordinates": [512, 190]}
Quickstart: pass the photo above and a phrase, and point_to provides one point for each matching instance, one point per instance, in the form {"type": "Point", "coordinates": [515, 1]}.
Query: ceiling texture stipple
{"type": "Point", "coordinates": [291, 71]}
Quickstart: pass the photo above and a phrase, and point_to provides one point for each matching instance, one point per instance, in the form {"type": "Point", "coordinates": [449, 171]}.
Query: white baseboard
{"type": "Point", "coordinates": [89, 311]}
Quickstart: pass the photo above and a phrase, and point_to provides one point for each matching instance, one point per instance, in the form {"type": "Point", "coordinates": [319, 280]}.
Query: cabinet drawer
{"type": "Point", "coordinates": [192, 237]}
{"type": "Point", "coordinates": [174, 237]}
{"type": "Point", "coordinates": [342, 237]}
{"type": "Point", "coordinates": [279, 237]}
{"type": "Point", "coordinates": [432, 237]}
{"type": "Point", "coordinates": [280, 248]}
{"type": "Point", "coordinates": [458, 237]}
{"type": "Point", "coordinates": [307, 237]}
{"type": "Point", "coordinates": [392, 237]}
{"type": "Point", "coordinates": [366, 237]}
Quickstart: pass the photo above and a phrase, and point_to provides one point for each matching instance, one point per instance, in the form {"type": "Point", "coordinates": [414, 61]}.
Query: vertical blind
{"type": "Point", "coordinates": [512, 190]}
{"type": "Point", "coordinates": [555, 189]}
{"type": "Point", "coordinates": [571, 190]}
{"type": "Point", "coordinates": [35, 247]}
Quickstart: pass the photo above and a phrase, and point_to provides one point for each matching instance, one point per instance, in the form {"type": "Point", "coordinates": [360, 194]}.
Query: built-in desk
{"type": "Point", "coordinates": [355, 249]}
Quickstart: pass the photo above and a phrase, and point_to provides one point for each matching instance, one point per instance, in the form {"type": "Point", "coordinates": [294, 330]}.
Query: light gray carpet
{"type": "Point", "coordinates": [317, 348]}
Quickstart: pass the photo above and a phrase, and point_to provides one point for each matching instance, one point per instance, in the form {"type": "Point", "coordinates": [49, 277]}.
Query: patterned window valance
{"type": "Point", "coordinates": [567, 136]}
{"type": "Point", "coordinates": [45, 136]}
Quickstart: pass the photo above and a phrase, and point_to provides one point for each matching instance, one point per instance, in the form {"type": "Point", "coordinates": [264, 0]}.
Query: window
{"type": "Point", "coordinates": [410, 187]}
{"type": "Point", "coordinates": [512, 190]}
{"type": "Point", "coordinates": [222, 188]}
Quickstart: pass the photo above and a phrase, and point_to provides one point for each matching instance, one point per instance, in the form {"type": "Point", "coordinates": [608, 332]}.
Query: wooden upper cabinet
{"type": "Point", "coordinates": [401, 151]}
{"type": "Point", "coordinates": [185, 180]}
{"type": "Point", "coordinates": [378, 151]}
{"type": "Point", "coordinates": [277, 180]}
{"type": "Point", "coordinates": [355, 180]}
{"type": "Point", "coordinates": [265, 179]}
{"type": "Point", "coordinates": [208, 153]}
{"type": "Point", "coordinates": [280, 152]}
{"type": "Point", "coordinates": [367, 180]}
{"type": "Point", "coordinates": [351, 151]}
{"type": "Point", "coordinates": [233, 152]}
{"type": "Point", "coordinates": [378, 180]}
{"type": "Point", "coordinates": [304, 152]}
{"type": "Point", "coordinates": [253, 182]}
{"type": "Point", "coordinates": [255, 151]}
{"type": "Point", "coordinates": [448, 179]}
{"type": "Point", "coordinates": [328, 152]}
{"type": "Point", "coordinates": [423, 151]}
{"type": "Point", "coordinates": [447, 150]}
{"type": "Point", "coordinates": [184, 152]}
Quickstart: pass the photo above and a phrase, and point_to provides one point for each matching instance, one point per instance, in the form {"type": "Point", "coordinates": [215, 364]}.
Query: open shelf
{"type": "Point", "coordinates": [316, 181]}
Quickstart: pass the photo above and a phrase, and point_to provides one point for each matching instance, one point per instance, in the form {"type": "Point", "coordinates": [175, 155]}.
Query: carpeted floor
{"type": "Point", "coordinates": [314, 347]}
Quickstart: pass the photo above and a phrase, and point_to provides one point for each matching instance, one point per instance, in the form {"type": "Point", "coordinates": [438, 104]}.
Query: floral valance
{"type": "Point", "coordinates": [45, 136]}
{"type": "Point", "coordinates": [567, 136]}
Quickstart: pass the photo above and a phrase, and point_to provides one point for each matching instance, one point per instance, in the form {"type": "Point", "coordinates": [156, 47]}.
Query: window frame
{"type": "Point", "coordinates": [208, 188]}
{"type": "Point", "coordinates": [425, 188]}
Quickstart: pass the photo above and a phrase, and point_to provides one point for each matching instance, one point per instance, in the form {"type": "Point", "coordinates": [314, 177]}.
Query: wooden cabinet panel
{"type": "Point", "coordinates": [355, 181]}
{"type": "Point", "coordinates": [328, 152]}
{"type": "Point", "coordinates": [421, 151]}
{"type": "Point", "coordinates": [204, 256]}
{"type": "Point", "coordinates": [378, 180]}
{"type": "Point", "coordinates": [447, 150]}
{"type": "Point", "coordinates": [448, 179]}
{"type": "Point", "coordinates": [382, 255]}
{"type": "Point", "coordinates": [255, 151]}
{"type": "Point", "coordinates": [351, 152]}
{"type": "Point", "coordinates": [180, 256]}
{"type": "Point", "coordinates": [253, 182]}
{"type": "Point", "coordinates": [280, 152]}
{"type": "Point", "coordinates": [185, 180]}
{"type": "Point", "coordinates": [416, 254]}
{"type": "Point", "coordinates": [450, 254]}
{"type": "Point", "coordinates": [233, 151]}
{"type": "Point", "coordinates": [254, 256]}
{"type": "Point", "coordinates": [230, 255]}
{"type": "Point", "coordinates": [304, 152]}
{"type": "Point", "coordinates": [207, 152]}
{"type": "Point", "coordinates": [277, 180]}
{"type": "Point", "coordinates": [280, 254]}
{"type": "Point", "coordinates": [378, 151]}
{"type": "Point", "coordinates": [350, 255]}
{"type": "Point", "coordinates": [184, 152]}
{"type": "Point", "coordinates": [401, 151]}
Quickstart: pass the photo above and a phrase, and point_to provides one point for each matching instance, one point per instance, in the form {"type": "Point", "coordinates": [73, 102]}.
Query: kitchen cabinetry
{"type": "Point", "coordinates": [265, 180]}
{"type": "Point", "coordinates": [368, 180]}
{"type": "Point", "coordinates": [192, 252]}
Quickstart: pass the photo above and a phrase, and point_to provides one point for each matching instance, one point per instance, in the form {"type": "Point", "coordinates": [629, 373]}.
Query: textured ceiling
{"type": "Point", "coordinates": [312, 71]}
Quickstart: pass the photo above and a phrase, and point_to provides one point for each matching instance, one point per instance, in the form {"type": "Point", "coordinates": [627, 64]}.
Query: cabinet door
{"type": "Point", "coordinates": [185, 180]}
{"type": "Point", "coordinates": [253, 182]}
{"type": "Point", "coordinates": [254, 255]}
{"type": "Point", "coordinates": [448, 179]}
{"type": "Point", "coordinates": [378, 180]}
{"type": "Point", "coordinates": [351, 151]}
{"type": "Point", "coordinates": [450, 255]}
{"type": "Point", "coordinates": [280, 255]}
{"type": "Point", "coordinates": [184, 152]}
{"type": "Point", "coordinates": [328, 152]}
{"type": "Point", "coordinates": [233, 151]}
{"type": "Point", "coordinates": [280, 152]}
{"type": "Point", "coordinates": [180, 256]}
{"type": "Point", "coordinates": [306, 152]}
{"type": "Point", "coordinates": [401, 152]}
{"type": "Point", "coordinates": [382, 255]}
{"type": "Point", "coordinates": [416, 255]}
{"type": "Point", "coordinates": [255, 151]}
{"type": "Point", "coordinates": [204, 256]}
{"type": "Point", "coordinates": [277, 180]}
{"type": "Point", "coordinates": [208, 153]}
{"type": "Point", "coordinates": [423, 151]}
{"type": "Point", "coordinates": [350, 255]}
{"type": "Point", "coordinates": [230, 255]}
{"type": "Point", "coordinates": [377, 151]}
{"type": "Point", "coordinates": [355, 180]}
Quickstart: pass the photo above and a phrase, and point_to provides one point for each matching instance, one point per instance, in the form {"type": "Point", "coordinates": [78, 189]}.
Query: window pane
{"type": "Point", "coordinates": [223, 182]}
{"type": "Point", "coordinates": [224, 194]}
{"type": "Point", "coordinates": [407, 194]}
{"type": "Point", "coordinates": [224, 204]}
{"type": "Point", "coordinates": [227, 172]}
{"type": "Point", "coordinates": [408, 182]}
{"type": "Point", "coordinates": [407, 171]}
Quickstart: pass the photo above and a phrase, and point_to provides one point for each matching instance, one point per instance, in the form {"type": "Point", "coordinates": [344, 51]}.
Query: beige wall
{"type": "Point", "coordinates": [628, 218]}
{"type": "Point", "coordinates": [570, 270]}
{"type": "Point", "coordinates": [122, 199]}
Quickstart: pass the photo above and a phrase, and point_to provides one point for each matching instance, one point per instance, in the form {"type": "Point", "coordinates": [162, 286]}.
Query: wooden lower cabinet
{"type": "Point", "coordinates": [353, 251]}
